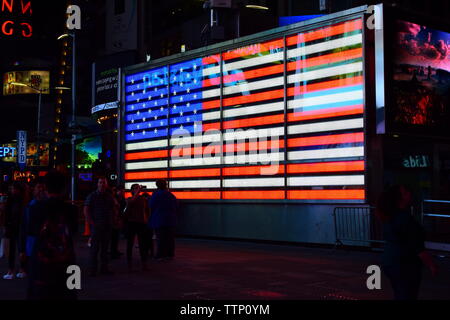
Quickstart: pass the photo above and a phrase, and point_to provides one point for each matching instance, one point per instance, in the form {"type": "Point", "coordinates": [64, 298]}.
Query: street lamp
{"type": "Point", "coordinates": [39, 91]}
{"type": "Point", "coordinates": [73, 122]}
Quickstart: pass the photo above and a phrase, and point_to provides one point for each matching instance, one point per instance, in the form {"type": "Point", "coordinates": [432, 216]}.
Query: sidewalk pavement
{"type": "Point", "coordinates": [233, 270]}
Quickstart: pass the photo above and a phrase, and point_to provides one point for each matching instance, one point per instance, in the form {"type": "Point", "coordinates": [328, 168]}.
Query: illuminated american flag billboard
{"type": "Point", "coordinates": [280, 119]}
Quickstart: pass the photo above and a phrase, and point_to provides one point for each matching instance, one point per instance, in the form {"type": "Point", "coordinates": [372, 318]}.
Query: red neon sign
{"type": "Point", "coordinates": [14, 19]}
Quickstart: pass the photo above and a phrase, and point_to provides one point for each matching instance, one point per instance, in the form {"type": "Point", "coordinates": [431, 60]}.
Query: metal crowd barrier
{"type": "Point", "coordinates": [357, 224]}
{"type": "Point", "coordinates": [425, 214]}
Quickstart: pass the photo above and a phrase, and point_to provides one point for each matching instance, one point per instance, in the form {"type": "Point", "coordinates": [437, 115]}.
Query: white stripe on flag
{"type": "Point", "coordinates": [148, 183]}
{"type": "Point", "coordinates": [326, 181]}
{"type": "Point", "coordinates": [253, 110]}
{"type": "Point", "coordinates": [146, 165]}
{"type": "Point", "coordinates": [195, 184]}
{"type": "Point", "coordinates": [326, 72]}
{"type": "Point", "coordinates": [207, 161]}
{"type": "Point", "coordinates": [325, 46]}
{"type": "Point", "coordinates": [326, 99]}
{"type": "Point", "coordinates": [326, 153]}
{"type": "Point", "coordinates": [326, 126]}
{"type": "Point", "coordinates": [258, 182]}
{"type": "Point", "coordinates": [253, 159]}
{"type": "Point", "coordinates": [146, 145]}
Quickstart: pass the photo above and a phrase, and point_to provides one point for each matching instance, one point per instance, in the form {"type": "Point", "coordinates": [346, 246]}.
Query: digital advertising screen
{"type": "Point", "coordinates": [87, 151]}
{"type": "Point", "coordinates": [421, 80]}
{"type": "Point", "coordinates": [280, 119]}
{"type": "Point", "coordinates": [26, 82]}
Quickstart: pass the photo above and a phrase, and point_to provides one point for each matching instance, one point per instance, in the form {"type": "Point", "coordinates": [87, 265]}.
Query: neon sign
{"type": "Point", "coordinates": [7, 152]}
{"type": "Point", "coordinates": [15, 19]}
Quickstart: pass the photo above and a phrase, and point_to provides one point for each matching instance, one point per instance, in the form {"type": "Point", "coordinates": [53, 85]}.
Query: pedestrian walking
{"type": "Point", "coordinates": [99, 211]}
{"type": "Point", "coordinates": [14, 212]}
{"type": "Point", "coordinates": [404, 253]}
{"type": "Point", "coordinates": [163, 206]}
{"type": "Point", "coordinates": [136, 217]}
{"type": "Point", "coordinates": [53, 224]}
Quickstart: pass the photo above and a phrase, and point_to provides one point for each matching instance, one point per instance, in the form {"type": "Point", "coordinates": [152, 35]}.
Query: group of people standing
{"type": "Point", "coordinates": [40, 226]}
{"type": "Point", "coordinates": [40, 232]}
{"type": "Point", "coordinates": [151, 220]}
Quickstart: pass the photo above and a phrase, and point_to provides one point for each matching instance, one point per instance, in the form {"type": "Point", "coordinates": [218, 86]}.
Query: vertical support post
{"type": "Point", "coordinates": [74, 86]}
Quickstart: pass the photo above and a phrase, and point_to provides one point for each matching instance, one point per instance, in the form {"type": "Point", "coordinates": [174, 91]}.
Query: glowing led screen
{"type": "Point", "coordinates": [87, 151]}
{"type": "Point", "coordinates": [421, 79]}
{"type": "Point", "coordinates": [281, 119]}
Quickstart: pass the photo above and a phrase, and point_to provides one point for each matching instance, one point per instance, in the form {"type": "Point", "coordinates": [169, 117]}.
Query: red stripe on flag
{"type": "Point", "coordinates": [146, 155]}
{"type": "Point", "coordinates": [214, 59]}
{"type": "Point", "coordinates": [197, 195]}
{"type": "Point", "coordinates": [254, 122]}
{"type": "Point", "coordinates": [358, 194]}
{"type": "Point", "coordinates": [326, 167]}
{"type": "Point", "coordinates": [326, 113]}
{"type": "Point", "coordinates": [325, 32]}
{"type": "Point", "coordinates": [327, 139]}
{"type": "Point", "coordinates": [244, 194]}
{"type": "Point", "coordinates": [326, 59]}
{"type": "Point", "coordinates": [211, 82]}
{"type": "Point", "coordinates": [267, 95]}
{"type": "Point", "coordinates": [251, 171]}
{"type": "Point", "coordinates": [326, 85]}
{"type": "Point", "coordinates": [145, 175]}
{"type": "Point", "coordinates": [213, 104]}
{"type": "Point", "coordinates": [253, 49]}
{"type": "Point", "coordinates": [254, 73]}
{"type": "Point", "coordinates": [195, 173]}
{"type": "Point", "coordinates": [211, 126]}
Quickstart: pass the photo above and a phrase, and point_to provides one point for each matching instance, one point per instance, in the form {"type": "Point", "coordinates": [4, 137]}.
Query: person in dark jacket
{"type": "Point", "coordinates": [404, 253]}
{"type": "Point", "coordinates": [52, 221]}
{"type": "Point", "coordinates": [14, 212]}
{"type": "Point", "coordinates": [99, 211]}
{"type": "Point", "coordinates": [120, 202]}
{"type": "Point", "coordinates": [39, 195]}
{"type": "Point", "coordinates": [163, 219]}
{"type": "Point", "coordinates": [136, 216]}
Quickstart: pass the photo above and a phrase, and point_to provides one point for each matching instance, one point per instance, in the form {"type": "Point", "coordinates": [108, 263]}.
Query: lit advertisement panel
{"type": "Point", "coordinates": [8, 153]}
{"type": "Point", "coordinates": [16, 19]}
{"type": "Point", "coordinates": [248, 124]}
{"type": "Point", "coordinates": [87, 151]}
{"type": "Point", "coordinates": [39, 80]}
{"type": "Point", "coordinates": [421, 79]}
